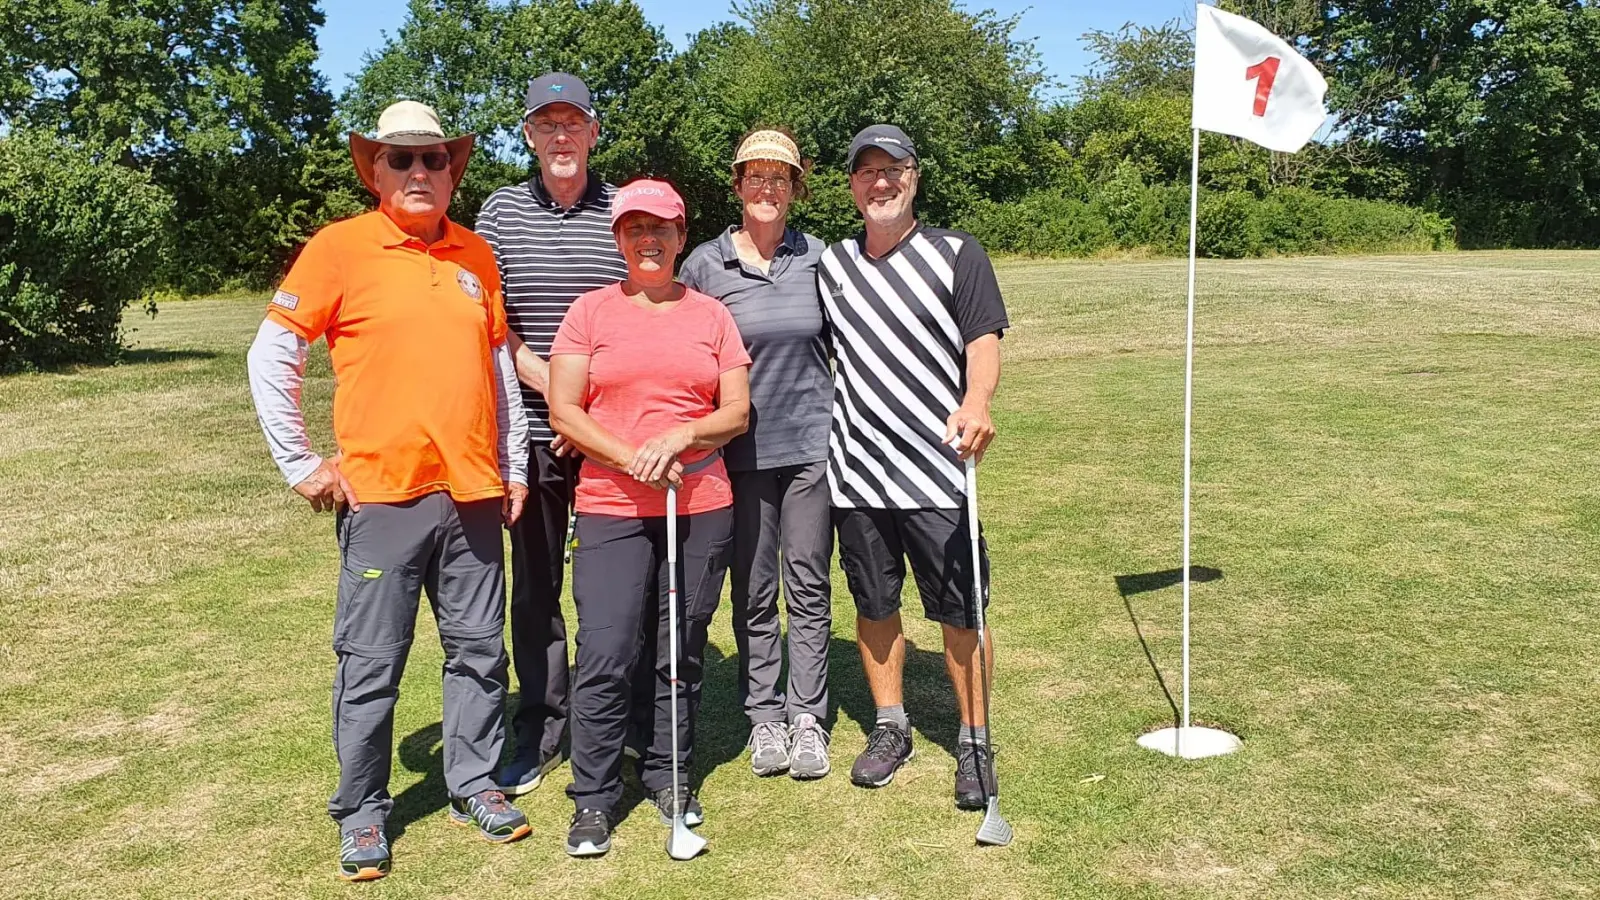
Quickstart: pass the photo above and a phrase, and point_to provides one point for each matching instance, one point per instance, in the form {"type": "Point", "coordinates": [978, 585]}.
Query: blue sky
{"type": "Point", "coordinates": [357, 26]}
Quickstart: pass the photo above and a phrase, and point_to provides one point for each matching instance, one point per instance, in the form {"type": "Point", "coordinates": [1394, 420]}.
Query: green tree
{"type": "Point", "coordinates": [217, 99]}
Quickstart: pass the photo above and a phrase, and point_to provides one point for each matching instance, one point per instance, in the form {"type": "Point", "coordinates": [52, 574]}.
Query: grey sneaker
{"type": "Point", "coordinates": [693, 813]}
{"type": "Point", "coordinates": [497, 820]}
{"type": "Point", "coordinates": [888, 748]}
{"type": "Point", "coordinates": [363, 853]}
{"type": "Point", "coordinates": [769, 748]}
{"type": "Point", "coordinates": [808, 748]}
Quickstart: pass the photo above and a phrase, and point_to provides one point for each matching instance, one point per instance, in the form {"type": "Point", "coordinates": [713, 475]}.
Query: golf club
{"type": "Point", "coordinates": [995, 830]}
{"type": "Point", "coordinates": [681, 842]}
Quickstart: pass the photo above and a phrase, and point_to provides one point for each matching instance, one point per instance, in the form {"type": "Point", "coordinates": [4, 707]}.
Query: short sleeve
{"type": "Point", "coordinates": [307, 302]}
{"type": "Point", "coordinates": [692, 273]}
{"type": "Point", "coordinates": [494, 299]}
{"type": "Point", "coordinates": [488, 226]}
{"type": "Point", "coordinates": [728, 343]}
{"type": "Point", "coordinates": [576, 334]}
{"type": "Point", "coordinates": [979, 309]}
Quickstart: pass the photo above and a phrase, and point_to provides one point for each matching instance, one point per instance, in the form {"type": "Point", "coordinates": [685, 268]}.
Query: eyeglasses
{"type": "Point", "coordinates": [870, 174]}
{"type": "Point", "coordinates": [401, 160]}
{"type": "Point", "coordinates": [779, 183]}
{"type": "Point", "coordinates": [548, 127]}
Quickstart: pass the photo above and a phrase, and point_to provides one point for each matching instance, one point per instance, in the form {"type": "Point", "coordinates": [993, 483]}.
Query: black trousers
{"type": "Point", "coordinates": [619, 578]}
{"type": "Point", "coordinates": [538, 631]}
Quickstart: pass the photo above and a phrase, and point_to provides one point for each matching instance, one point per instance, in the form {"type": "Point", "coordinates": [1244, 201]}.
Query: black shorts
{"type": "Point", "coordinates": [875, 543]}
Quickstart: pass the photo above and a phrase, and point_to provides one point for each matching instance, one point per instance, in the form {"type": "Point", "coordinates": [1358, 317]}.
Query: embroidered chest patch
{"type": "Point", "coordinates": [469, 284]}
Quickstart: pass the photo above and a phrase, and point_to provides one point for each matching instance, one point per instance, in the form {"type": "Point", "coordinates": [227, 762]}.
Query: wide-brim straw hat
{"type": "Point", "coordinates": [408, 124]}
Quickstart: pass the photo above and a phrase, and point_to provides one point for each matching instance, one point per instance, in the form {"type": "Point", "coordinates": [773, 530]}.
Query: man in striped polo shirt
{"type": "Point", "coordinates": [916, 318]}
{"type": "Point", "coordinates": [552, 239]}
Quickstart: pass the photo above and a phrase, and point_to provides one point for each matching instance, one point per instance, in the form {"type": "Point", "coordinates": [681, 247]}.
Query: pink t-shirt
{"type": "Point", "coordinates": [649, 370]}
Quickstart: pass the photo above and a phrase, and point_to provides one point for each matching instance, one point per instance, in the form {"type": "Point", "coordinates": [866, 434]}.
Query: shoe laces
{"type": "Point", "coordinates": [974, 761]}
{"type": "Point", "coordinates": [493, 802]}
{"type": "Point", "coordinates": [887, 742]}
{"type": "Point", "coordinates": [663, 799]}
{"type": "Point", "coordinates": [587, 817]}
{"type": "Point", "coordinates": [768, 736]}
{"type": "Point", "coordinates": [810, 740]}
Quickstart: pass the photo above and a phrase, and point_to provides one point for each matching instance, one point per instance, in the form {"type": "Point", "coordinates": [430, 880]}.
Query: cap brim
{"type": "Point", "coordinates": [586, 110]}
{"type": "Point", "coordinates": [364, 150]}
{"type": "Point", "coordinates": [893, 150]}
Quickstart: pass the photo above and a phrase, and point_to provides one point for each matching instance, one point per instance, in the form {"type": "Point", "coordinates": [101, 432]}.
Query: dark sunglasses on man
{"type": "Point", "coordinates": [433, 160]}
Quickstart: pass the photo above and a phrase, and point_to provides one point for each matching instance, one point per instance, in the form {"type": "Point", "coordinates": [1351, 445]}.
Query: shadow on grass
{"type": "Point", "coordinates": [146, 356]}
{"type": "Point", "coordinates": [1131, 585]}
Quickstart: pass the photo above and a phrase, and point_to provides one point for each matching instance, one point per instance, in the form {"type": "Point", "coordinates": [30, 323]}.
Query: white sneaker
{"type": "Point", "coordinates": [808, 748]}
{"type": "Point", "coordinates": [769, 748]}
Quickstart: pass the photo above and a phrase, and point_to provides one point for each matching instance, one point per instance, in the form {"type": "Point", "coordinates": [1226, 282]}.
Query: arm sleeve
{"type": "Point", "coordinates": [307, 302]}
{"type": "Point", "coordinates": [574, 334]}
{"type": "Point", "coordinates": [979, 308]}
{"type": "Point", "coordinates": [511, 418]}
{"type": "Point", "coordinates": [689, 272]}
{"type": "Point", "coordinates": [488, 228]}
{"type": "Point", "coordinates": [728, 344]}
{"type": "Point", "coordinates": [277, 365]}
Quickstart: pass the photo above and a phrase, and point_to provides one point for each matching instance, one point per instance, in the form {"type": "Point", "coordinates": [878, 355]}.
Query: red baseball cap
{"type": "Point", "coordinates": [647, 195]}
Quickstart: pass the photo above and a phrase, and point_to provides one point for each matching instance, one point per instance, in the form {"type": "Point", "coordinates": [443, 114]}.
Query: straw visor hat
{"type": "Point", "coordinates": [408, 124]}
{"type": "Point", "coordinates": [770, 145]}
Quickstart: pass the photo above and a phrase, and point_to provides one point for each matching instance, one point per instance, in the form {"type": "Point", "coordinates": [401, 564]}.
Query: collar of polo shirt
{"type": "Point", "coordinates": [593, 188]}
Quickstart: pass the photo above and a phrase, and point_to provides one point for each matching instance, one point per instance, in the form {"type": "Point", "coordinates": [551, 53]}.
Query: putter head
{"type": "Point", "coordinates": [995, 830]}
{"type": "Point", "coordinates": [685, 844]}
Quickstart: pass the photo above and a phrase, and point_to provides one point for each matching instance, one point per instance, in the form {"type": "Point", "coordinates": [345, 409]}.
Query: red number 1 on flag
{"type": "Point", "coordinates": [1265, 72]}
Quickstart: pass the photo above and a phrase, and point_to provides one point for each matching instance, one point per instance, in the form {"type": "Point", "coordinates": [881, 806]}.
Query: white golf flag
{"type": "Point", "coordinates": [1248, 82]}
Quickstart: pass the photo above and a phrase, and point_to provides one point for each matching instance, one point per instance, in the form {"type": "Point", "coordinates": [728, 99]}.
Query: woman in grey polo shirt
{"type": "Point", "coordinates": [766, 274]}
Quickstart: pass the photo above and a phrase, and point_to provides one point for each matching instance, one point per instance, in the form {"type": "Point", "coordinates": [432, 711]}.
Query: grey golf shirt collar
{"type": "Point", "coordinates": [592, 192]}
{"type": "Point", "coordinates": [787, 248]}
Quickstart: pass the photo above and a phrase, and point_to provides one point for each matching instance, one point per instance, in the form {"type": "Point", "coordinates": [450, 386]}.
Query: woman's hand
{"type": "Point", "coordinates": [656, 461]}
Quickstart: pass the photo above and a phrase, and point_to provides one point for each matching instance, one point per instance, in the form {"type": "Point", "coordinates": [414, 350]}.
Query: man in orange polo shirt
{"type": "Point", "coordinates": [432, 460]}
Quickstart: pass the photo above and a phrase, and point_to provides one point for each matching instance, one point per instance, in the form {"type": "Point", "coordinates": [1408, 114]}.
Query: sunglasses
{"type": "Point", "coordinates": [401, 160]}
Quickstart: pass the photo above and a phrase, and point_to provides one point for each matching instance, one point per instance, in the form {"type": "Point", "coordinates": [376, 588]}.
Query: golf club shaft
{"type": "Point", "coordinates": [977, 599]}
{"type": "Point", "coordinates": [672, 628]}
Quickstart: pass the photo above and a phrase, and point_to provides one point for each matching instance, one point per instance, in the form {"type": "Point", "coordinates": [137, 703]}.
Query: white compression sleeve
{"type": "Point", "coordinates": [511, 417]}
{"type": "Point", "coordinates": [277, 363]}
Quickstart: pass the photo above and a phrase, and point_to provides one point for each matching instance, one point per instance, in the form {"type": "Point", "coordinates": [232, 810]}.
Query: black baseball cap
{"type": "Point", "coordinates": [887, 138]}
{"type": "Point", "coordinates": [557, 87]}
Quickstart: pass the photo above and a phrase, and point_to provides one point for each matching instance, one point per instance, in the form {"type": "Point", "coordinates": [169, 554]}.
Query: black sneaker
{"type": "Point", "coordinates": [363, 853]}
{"type": "Point", "coordinates": [888, 748]}
{"type": "Point", "coordinates": [527, 771]}
{"type": "Point", "coordinates": [590, 834]}
{"type": "Point", "coordinates": [975, 780]}
{"type": "Point", "coordinates": [497, 820]}
{"type": "Point", "coordinates": [693, 814]}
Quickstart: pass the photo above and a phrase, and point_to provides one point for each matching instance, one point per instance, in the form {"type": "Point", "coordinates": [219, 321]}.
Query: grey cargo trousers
{"type": "Point", "coordinates": [390, 553]}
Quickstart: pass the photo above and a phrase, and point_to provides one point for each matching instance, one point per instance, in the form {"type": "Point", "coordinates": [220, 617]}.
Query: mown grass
{"type": "Point", "coordinates": [1394, 471]}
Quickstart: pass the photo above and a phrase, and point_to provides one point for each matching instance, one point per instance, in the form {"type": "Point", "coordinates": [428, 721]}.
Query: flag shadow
{"type": "Point", "coordinates": [1130, 586]}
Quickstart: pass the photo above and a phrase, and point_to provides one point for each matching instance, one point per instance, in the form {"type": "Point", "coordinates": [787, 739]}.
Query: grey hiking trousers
{"type": "Point", "coordinates": [783, 532]}
{"type": "Point", "coordinates": [390, 553]}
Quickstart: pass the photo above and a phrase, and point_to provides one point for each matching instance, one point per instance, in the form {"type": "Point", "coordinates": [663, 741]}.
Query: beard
{"type": "Point", "coordinates": [564, 168]}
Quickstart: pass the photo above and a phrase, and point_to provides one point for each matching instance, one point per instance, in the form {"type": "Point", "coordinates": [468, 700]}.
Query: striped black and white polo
{"type": "Point", "coordinates": [900, 327]}
{"type": "Point", "coordinates": [548, 257]}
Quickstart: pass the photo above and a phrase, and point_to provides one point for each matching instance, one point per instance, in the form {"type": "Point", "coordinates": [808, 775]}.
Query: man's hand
{"type": "Point", "coordinates": [511, 505]}
{"type": "Point", "coordinates": [326, 488]}
{"type": "Point", "coordinates": [562, 447]}
{"type": "Point", "coordinates": [969, 430]}
{"type": "Point", "coordinates": [656, 459]}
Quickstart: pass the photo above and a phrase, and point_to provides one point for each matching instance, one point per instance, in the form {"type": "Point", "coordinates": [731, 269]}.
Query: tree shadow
{"type": "Point", "coordinates": [1131, 585]}
{"type": "Point", "coordinates": [148, 355]}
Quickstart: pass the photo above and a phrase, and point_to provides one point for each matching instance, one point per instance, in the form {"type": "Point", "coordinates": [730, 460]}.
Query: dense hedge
{"type": "Point", "coordinates": [80, 238]}
{"type": "Point", "coordinates": [1125, 215]}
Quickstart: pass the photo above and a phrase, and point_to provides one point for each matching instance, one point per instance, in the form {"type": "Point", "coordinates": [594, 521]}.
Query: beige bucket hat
{"type": "Point", "coordinates": [408, 124]}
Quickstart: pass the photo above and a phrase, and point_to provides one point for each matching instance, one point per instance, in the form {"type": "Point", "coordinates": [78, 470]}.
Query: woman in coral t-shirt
{"type": "Point", "coordinates": [648, 379]}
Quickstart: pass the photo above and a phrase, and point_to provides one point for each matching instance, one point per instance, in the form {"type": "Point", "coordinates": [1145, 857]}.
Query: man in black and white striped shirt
{"type": "Point", "coordinates": [552, 239]}
{"type": "Point", "coordinates": [916, 318]}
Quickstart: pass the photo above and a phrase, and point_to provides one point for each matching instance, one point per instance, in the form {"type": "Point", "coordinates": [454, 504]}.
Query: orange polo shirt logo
{"type": "Point", "coordinates": [410, 330]}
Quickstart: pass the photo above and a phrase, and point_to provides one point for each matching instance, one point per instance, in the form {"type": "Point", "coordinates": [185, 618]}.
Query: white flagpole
{"type": "Point", "coordinates": [1188, 417]}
